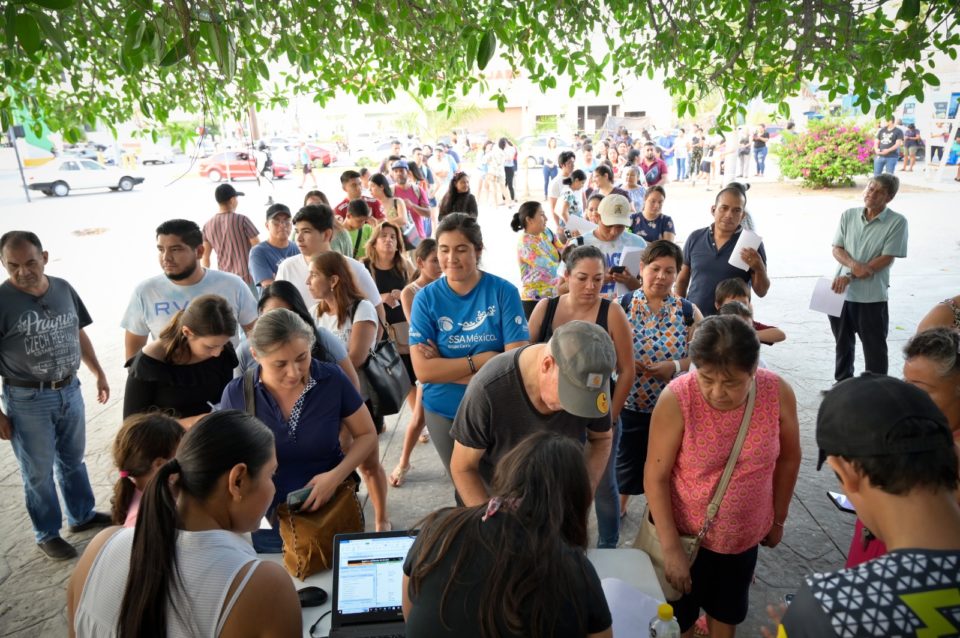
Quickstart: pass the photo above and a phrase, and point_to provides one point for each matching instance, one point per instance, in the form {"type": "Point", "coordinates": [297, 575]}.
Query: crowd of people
{"type": "Point", "coordinates": [624, 365]}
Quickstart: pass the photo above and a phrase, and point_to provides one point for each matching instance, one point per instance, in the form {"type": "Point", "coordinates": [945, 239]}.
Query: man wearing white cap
{"type": "Point", "coordinates": [610, 237]}
{"type": "Point", "coordinates": [561, 386]}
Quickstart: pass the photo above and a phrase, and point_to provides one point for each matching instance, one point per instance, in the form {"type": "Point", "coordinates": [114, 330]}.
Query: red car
{"type": "Point", "coordinates": [236, 165]}
{"type": "Point", "coordinates": [324, 155]}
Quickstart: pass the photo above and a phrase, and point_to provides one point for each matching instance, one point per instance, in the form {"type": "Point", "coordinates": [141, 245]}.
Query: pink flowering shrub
{"type": "Point", "coordinates": [830, 153]}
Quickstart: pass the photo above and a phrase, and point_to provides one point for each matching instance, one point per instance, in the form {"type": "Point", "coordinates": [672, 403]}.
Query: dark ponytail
{"type": "Point", "coordinates": [142, 439]}
{"type": "Point", "coordinates": [526, 212]}
{"type": "Point", "coordinates": [215, 445]}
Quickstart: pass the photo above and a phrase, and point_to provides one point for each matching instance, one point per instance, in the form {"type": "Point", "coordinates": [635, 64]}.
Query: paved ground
{"type": "Point", "coordinates": [103, 243]}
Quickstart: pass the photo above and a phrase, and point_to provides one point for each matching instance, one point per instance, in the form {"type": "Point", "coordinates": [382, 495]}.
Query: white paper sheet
{"type": "Point", "coordinates": [585, 226]}
{"type": "Point", "coordinates": [825, 300]}
{"type": "Point", "coordinates": [748, 239]}
{"type": "Point", "coordinates": [631, 609]}
{"type": "Point", "coordinates": [630, 258]}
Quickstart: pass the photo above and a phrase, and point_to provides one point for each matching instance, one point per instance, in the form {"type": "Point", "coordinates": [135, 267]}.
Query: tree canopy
{"type": "Point", "coordinates": [72, 62]}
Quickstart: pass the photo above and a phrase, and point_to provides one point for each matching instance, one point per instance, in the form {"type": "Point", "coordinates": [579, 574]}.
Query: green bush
{"type": "Point", "coordinates": [830, 153]}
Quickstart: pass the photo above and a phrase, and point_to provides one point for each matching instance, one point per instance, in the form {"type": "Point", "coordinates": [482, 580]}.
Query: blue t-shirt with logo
{"type": "Point", "coordinates": [484, 320]}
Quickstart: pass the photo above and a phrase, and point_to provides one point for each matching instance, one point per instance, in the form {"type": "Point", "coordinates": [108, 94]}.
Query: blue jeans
{"type": "Point", "coordinates": [49, 435]}
{"type": "Point", "coordinates": [681, 168]}
{"type": "Point", "coordinates": [760, 157]}
{"type": "Point", "coordinates": [549, 172]}
{"type": "Point", "coordinates": [883, 163]}
{"type": "Point", "coordinates": [606, 501]}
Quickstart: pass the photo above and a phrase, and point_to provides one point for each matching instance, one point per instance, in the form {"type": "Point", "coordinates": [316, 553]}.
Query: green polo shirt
{"type": "Point", "coordinates": [885, 234]}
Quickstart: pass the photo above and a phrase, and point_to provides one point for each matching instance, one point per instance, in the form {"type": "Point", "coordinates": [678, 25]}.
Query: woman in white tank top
{"type": "Point", "coordinates": [189, 572]}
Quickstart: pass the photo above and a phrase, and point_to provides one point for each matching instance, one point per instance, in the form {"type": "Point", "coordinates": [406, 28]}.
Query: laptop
{"type": "Point", "coordinates": [368, 584]}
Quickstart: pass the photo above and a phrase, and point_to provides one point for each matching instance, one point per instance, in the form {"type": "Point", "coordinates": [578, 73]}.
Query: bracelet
{"type": "Point", "coordinates": [778, 524]}
{"type": "Point", "coordinates": [676, 367]}
{"type": "Point", "coordinates": [473, 366]}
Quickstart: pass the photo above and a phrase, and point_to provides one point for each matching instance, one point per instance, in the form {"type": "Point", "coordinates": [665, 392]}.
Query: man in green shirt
{"type": "Point", "coordinates": [867, 241]}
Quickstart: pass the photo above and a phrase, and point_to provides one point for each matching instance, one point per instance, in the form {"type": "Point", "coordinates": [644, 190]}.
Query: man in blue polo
{"type": "Point", "coordinates": [42, 343]}
{"type": "Point", "coordinates": [706, 255]}
{"type": "Point", "coordinates": [868, 239]}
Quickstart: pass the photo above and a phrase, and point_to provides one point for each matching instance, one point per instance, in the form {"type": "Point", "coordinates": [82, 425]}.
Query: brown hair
{"type": "Point", "coordinates": [346, 291]}
{"type": "Point", "coordinates": [142, 439]}
{"type": "Point", "coordinates": [545, 490]}
{"type": "Point", "coordinates": [206, 316]}
{"type": "Point", "coordinates": [399, 264]}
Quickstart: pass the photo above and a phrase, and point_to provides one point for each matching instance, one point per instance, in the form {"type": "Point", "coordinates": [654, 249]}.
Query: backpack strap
{"type": "Point", "coordinates": [687, 309]}
{"type": "Point", "coordinates": [249, 396]}
{"type": "Point", "coordinates": [625, 302]}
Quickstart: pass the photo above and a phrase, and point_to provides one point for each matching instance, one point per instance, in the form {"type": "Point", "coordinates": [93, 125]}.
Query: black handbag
{"type": "Point", "coordinates": [384, 379]}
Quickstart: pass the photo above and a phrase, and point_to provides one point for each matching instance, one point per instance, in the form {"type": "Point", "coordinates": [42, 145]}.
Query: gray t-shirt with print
{"type": "Point", "coordinates": [496, 414]}
{"type": "Point", "coordinates": [40, 336]}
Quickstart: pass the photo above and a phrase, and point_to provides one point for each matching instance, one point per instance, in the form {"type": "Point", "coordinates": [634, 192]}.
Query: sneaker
{"type": "Point", "coordinates": [100, 519]}
{"type": "Point", "coordinates": [57, 549]}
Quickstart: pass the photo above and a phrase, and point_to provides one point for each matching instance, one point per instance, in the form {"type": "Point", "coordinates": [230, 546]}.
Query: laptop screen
{"type": "Point", "coordinates": [369, 576]}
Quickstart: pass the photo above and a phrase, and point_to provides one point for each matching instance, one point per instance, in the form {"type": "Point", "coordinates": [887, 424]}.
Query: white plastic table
{"type": "Point", "coordinates": [629, 565]}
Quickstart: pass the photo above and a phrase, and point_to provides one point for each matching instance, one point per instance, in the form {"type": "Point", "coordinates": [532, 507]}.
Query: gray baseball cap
{"type": "Point", "coordinates": [586, 359]}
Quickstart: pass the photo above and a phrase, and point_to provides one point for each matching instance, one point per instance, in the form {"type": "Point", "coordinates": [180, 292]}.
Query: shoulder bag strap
{"type": "Point", "coordinates": [714, 505]}
{"type": "Point", "coordinates": [356, 243]}
{"type": "Point", "coordinates": [249, 395]}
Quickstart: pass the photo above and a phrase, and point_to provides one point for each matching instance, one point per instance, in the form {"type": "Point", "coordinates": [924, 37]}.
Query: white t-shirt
{"type": "Point", "coordinates": [611, 254]}
{"type": "Point", "coordinates": [365, 312]}
{"type": "Point", "coordinates": [155, 301]}
{"type": "Point", "coordinates": [555, 186]}
{"type": "Point", "coordinates": [295, 270]}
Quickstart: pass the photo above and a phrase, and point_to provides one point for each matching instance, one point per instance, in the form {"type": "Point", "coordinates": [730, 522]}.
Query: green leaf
{"type": "Point", "coordinates": [28, 32]}
{"type": "Point", "coordinates": [51, 33]}
{"type": "Point", "coordinates": [909, 10]}
{"type": "Point", "coordinates": [10, 19]}
{"type": "Point", "coordinates": [179, 50]}
{"type": "Point", "coordinates": [56, 5]}
{"type": "Point", "coordinates": [931, 79]}
{"type": "Point", "coordinates": [488, 44]}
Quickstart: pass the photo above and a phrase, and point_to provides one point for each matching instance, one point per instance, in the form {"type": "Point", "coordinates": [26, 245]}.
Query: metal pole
{"type": "Point", "coordinates": [13, 140]}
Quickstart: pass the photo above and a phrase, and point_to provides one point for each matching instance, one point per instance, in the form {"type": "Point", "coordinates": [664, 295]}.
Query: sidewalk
{"type": "Point", "coordinates": [797, 227]}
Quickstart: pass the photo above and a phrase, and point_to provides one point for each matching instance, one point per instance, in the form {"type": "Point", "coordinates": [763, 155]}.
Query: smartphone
{"type": "Point", "coordinates": [842, 502]}
{"type": "Point", "coordinates": [296, 498]}
{"type": "Point", "coordinates": [617, 269]}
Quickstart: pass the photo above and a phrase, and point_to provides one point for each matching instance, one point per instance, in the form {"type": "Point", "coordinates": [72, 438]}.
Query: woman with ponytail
{"type": "Point", "coordinates": [184, 372]}
{"type": "Point", "coordinates": [185, 570]}
{"type": "Point", "coordinates": [538, 254]}
{"type": "Point", "coordinates": [143, 445]}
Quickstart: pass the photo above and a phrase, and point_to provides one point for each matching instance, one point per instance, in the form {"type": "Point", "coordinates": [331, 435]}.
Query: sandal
{"type": "Point", "coordinates": [425, 437]}
{"type": "Point", "coordinates": [399, 475]}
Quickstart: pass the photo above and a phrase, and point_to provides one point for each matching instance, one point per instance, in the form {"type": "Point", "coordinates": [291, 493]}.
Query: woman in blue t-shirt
{"type": "Point", "coordinates": [460, 322]}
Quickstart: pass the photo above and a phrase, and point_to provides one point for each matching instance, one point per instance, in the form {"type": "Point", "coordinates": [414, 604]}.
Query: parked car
{"type": "Point", "coordinates": [236, 165]}
{"type": "Point", "coordinates": [156, 155]}
{"type": "Point", "coordinates": [63, 175]}
{"type": "Point", "coordinates": [322, 154]}
{"type": "Point", "coordinates": [533, 148]}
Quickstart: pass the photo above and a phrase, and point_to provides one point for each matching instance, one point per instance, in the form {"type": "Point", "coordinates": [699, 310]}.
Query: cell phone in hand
{"type": "Point", "coordinates": [617, 269]}
{"type": "Point", "coordinates": [297, 498]}
{"type": "Point", "coordinates": [842, 502]}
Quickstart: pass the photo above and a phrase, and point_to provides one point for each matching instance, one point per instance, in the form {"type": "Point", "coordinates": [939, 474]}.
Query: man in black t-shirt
{"type": "Point", "coordinates": [886, 147]}
{"type": "Point", "coordinates": [562, 386]}
{"type": "Point", "coordinates": [892, 451]}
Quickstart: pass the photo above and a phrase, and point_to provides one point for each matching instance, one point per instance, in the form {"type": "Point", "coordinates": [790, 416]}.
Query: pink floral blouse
{"type": "Point", "coordinates": [746, 512]}
{"type": "Point", "coordinates": [539, 257]}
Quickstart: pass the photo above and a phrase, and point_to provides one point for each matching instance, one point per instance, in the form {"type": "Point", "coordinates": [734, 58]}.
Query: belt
{"type": "Point", "coordinates": [39, 385]}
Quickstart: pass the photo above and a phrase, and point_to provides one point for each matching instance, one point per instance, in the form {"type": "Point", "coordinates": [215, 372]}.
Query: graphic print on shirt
{"type": "Point", "coordinates": [49, 340]}
{"type": "Point", "coordinates": [460, 341]}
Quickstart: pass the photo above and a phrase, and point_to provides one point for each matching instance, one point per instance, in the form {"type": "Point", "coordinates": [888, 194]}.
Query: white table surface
{"type": "Point", "coordinates": [629, 565]}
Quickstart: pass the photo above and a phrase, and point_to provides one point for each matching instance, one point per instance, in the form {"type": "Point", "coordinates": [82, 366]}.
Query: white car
{"type": "Point", "coordinates": [156, 155]}
{"type": "Point", "coordinates": [62, 175]}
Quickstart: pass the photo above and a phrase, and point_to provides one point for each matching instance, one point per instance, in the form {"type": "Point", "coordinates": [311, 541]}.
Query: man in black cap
{"type": "Point", "coordinates": [265, 257]}
{"type": "Point", "coordinates": [891, 449]}
{"type": "Point", "coordinates": [231, 236]}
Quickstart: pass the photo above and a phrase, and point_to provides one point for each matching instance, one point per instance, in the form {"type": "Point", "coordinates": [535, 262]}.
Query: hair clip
{"type": "Point", "coordinates": [124, 474]}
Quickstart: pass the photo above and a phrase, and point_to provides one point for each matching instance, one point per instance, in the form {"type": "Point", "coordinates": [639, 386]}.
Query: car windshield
{"type": "Point", "coordinates": [91, 166]}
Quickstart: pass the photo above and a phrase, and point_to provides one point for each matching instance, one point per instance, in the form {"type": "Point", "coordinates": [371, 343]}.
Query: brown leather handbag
{"type": "Point", "coordinates": [308, 536]}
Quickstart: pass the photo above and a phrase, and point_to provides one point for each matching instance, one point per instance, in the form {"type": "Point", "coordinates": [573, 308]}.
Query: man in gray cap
{"type": "Point", "coordinates": [893, 454]}
{"type": "Point", "coordinates": [561, 386]}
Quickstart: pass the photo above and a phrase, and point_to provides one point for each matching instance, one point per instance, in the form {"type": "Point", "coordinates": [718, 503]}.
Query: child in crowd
{"type": "Point", "coordinates": [742, 310]}
{"type": "Point", "coordinates": [737, 290]}
{"type": "Point", "coordinates": [144, 443]}
{"type": "Point", "coordinates": [592, 213]}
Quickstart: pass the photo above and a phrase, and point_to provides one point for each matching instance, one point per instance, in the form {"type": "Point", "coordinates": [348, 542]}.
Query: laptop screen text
{"type": "Point", "coordinates": [370, 576]}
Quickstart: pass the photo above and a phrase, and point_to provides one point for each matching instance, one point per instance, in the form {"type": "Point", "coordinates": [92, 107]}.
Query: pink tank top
{"type": "Point", "coordinates": [746, 512]}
